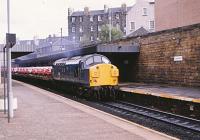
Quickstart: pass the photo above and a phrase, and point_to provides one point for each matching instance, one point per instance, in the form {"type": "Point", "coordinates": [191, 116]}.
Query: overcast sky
{"type": "Point", "coordinates": [40, 18]}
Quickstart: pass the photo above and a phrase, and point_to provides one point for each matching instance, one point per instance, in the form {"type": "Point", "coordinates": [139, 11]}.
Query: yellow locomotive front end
{"type": "Point", "coordinates": [103, 75]}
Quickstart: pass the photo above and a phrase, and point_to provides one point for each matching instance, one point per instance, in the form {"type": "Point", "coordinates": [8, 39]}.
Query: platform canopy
{"type": "Point", "coordinates": [134, 48]}
{"type": "Point", "coordinates": [48, 57]}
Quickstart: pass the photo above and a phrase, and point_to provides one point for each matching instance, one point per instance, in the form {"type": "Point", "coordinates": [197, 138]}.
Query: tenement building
{"type": "Point", "coordinates": [86, 25]}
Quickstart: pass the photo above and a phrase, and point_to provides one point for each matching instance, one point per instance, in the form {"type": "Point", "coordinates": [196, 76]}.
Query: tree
{"type": "Point", "coordinates": [115, 33]}
{"type": "Point", "coordinates": [85, 39]}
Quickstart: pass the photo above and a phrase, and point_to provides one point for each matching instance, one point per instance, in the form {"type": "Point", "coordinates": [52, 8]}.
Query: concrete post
{"type": "Point", "coordinates": [0, 72]}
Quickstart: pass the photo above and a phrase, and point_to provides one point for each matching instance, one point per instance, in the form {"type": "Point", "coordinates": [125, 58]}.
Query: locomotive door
{"type": "Point", "coordinates": [80, 70]}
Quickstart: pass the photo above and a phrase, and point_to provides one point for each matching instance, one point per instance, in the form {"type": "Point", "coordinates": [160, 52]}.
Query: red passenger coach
{"type": "Point", "coordinates": [48, 71]}
{"type": "Point", "coordinates": [36, 72]}
{"type": "Point", "coordinates": [33, 70]}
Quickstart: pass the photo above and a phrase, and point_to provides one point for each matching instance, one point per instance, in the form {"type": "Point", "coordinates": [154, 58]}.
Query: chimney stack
{"type": "Point", "coordinates": [86, 10]}
{"type": "Point", "coordinates": [124, 7]}
{"type": "Point", "coordinates": [69, 11]}
{"type": "Point", "coordinates": [105, 9]}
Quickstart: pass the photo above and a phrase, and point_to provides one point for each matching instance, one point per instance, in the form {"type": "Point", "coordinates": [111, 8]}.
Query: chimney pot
{"type": "Point", "coordinates": [86, 10]}
{"type": "Point", "coordinates": [69, 11]}
{"type": "Point", "coordinates": [124, 7]}
{"type": "Point", "coordinates": [105, 9]}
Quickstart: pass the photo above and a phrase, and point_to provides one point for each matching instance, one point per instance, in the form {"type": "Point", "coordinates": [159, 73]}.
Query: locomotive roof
{"type": "Point", "coordinates": [74, 60]}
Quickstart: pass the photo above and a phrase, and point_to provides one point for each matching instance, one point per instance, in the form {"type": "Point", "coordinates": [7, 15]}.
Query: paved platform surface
{"type": "Point", "coordinates": [179, 93]}
{"type": "Point", "coordinates": [42, 115]}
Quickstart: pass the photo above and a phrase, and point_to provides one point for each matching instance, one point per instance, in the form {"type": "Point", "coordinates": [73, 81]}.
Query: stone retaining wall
{"type": "Point", "coordinates": [170, 56]}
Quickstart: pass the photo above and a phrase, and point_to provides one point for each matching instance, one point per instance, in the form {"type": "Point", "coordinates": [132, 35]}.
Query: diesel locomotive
{"type": "Point", "coordinates": [92, 75]}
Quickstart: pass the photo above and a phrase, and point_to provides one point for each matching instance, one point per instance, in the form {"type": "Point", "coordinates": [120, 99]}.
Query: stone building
{"type": "Point", "coordinates": [176, 13]}
{"type": "Point", "coordinates": [86, 25]}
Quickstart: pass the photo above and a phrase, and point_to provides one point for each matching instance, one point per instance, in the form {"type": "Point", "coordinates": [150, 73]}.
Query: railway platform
{"type": "Point", "coordinates": [44, 115]}
{"type": "Point", "coordinates": [163, 91]}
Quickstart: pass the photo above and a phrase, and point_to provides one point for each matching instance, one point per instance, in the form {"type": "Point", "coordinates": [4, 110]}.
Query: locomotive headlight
{"type": "Point", "coordinates": [115, 80]}
{"type": "Point", "coordinates": [95, 73]}
{"type": "Point", "coordinates": [114, 72]}
{"type": "Point", "coordinates": [95, 81]}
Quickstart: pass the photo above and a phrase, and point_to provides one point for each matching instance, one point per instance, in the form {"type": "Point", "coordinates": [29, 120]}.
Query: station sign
{"type": "Point", "coordinates": [10, 39]}
{"type": "Point", "coordinates": [178, 58]}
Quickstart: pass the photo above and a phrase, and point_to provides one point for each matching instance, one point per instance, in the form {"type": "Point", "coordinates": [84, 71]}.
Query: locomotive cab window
{"type": "Point", "coordinates": [105, 60]}
{"type": "Point", "coordinates": [97, 59]}
{"type": "Point", "coordinates": [89, 61]}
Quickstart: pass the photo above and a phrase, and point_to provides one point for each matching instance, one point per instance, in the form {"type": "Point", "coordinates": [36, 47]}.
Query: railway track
{"type": "Point", "coordinates": [132, 109]}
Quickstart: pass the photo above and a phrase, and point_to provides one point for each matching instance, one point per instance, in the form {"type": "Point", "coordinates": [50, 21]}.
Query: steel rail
{"type": "Point", "coordinates": [132, 109]}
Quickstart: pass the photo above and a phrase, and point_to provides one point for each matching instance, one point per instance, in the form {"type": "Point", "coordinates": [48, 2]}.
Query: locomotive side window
{"type": "Point", "coordinates": [97, 59]}
{"type": "Point", "coordinates": [82, 65]}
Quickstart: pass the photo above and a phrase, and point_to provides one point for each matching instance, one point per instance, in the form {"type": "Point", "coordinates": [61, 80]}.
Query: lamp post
{"type": "Point", "coordinates": [61, 39]}
{"type": "Point", "coordinates": [9, 76]}
{"type": "Point", "coordinates": [110, 24]}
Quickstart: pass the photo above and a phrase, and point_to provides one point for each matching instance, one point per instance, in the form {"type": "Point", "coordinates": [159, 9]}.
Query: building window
{"type": "Point", "coordinates": [73, 19]}
{"type": "Point", "coordinates": [99, 18]}
{"type": "Point", "coordinates": [81, 19]}
{"type": "Point", "coordinates": [132, 26]}
{"type": "Point", "coordinates": [28, 42]}
{"type": "Point", "coordinates": [80, 38]}
{"type": "Point", "coordinates": [99, 28]}
{"type": "Point", "coordinates": [124, 29]}
{"type": "Point", "coordinates": [118, 26]}
{"type": "Point", "coordinates": [91, 38]}
{"type": "Point", "coordinates": [91, 28]}
{"type": "Point", "coordinates": [91, 18]}
{"type": "Point", "coordinates": [81, 29]}
{"type": "Point", "coordinates": [117, 16]}
{"type": "Point", "coordinates": [144, 11]}
{"type": "Point", "coordinates": [151, 25]}
{"type": "Point", "coordinates": [73, 29]}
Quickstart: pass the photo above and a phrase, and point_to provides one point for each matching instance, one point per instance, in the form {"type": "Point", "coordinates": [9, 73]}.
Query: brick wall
{"type": "Point", "coordinates": [156, 63]}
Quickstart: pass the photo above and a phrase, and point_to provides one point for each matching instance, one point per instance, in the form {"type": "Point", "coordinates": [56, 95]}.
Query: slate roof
{"type": "Point", "coordinates": [139, 32]}
{"type": "Point", "coordinates": [98, 12]}
{"type": "Point", "coordinates": [65, 42]}
{"type": "Point", "coordinates": [49, 41]}
{"type": "Point", "coordinates": [26, 42]}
